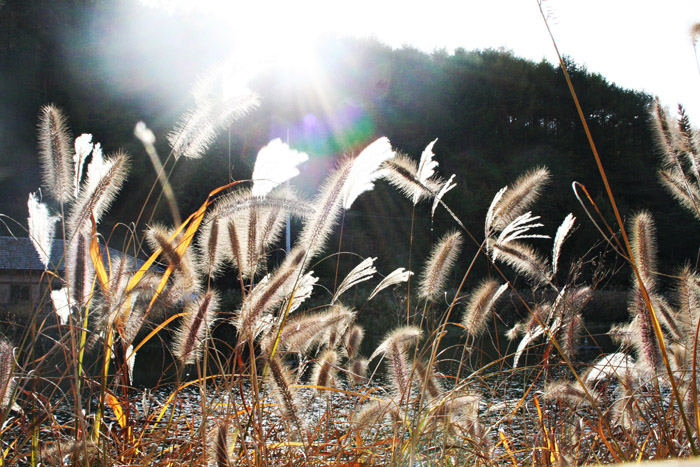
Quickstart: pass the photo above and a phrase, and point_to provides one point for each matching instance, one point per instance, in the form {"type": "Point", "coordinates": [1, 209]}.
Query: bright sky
{"type": "Point", "coordinates": [642, 44]}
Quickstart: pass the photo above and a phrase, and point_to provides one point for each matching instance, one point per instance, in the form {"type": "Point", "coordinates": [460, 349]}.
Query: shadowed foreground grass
{"type": "Point", "coordinates": [274, 374]}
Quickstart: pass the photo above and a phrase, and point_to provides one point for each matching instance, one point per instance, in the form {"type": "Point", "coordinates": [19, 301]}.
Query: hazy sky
{"type": "Point", "coordinates": [644, 45]}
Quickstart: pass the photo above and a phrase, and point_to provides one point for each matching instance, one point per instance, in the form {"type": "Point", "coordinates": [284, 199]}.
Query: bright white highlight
{"type": "Point", "coordinates": [276, 163]}
{"type": "Point", "coordinates": [41, 228]}
{"type": "Point", "coordinates": [366, 169]}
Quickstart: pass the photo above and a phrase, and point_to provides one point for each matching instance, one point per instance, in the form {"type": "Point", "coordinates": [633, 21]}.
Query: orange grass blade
{"type": "Point", "coordinates": [625, 238]}
{"type": "Point", "coordinates": [508, 449]}
{"type": "Point", "coordinates": [154, 332]}
{"type": "Point", "coordinates": [197, 216]}
{"type": "Point", "coordinates": [117, 409]}
{"type": "Point", "coordinates": [96, 257]}
{"type": "Point", "coordinates": [611, 450]}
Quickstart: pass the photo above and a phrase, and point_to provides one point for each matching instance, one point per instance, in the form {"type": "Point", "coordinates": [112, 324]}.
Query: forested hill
{"type": "Point", "coordinates": [495, 116]}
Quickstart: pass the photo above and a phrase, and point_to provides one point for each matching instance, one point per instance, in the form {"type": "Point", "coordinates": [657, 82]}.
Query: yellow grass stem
{"type": "Point", "coordinates": [103, 384]}
{"type": "Point", "coordinates": [628, 248]}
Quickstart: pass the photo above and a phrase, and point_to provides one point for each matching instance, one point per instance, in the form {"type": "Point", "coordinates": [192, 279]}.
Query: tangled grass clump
{"type": "Point", "coordinates": [289, 384]}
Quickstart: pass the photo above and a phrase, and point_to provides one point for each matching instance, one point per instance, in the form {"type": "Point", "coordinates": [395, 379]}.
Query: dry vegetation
{"type": "Point", "coordinates": [290, 385]}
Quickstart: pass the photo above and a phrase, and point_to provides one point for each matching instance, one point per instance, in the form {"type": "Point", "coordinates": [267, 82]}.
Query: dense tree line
{"type": "Point", "coordinates": [495, 115]}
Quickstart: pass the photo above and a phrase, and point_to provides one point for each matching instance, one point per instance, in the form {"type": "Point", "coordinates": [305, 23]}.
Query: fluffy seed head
{"type": "Point", "coordinates": [195, 326]}
{"type": "Point", "coordinates": [643, 242]}
{"type": "Point", "coordinates": [397, 276]}
{"type": "Point", "coordinates": [480, 306]}
{"type": "Point", "coordinates": [275, 164]}
{"type": "Point", "coordinates": [325, 369]}
{"type": "Point", "coordinates": [7, 382]}
{"type": "Point", "coordinates": [104, 180]}
{"type": "Point", "coordinates": [55, 153]}
{"type": "Point", "coordinates": [439, 265]}
{"type": "Point", "coordinates": [516, 200]}
{"type": "Point", "coordinates": [41, 228]}
{"type": "Point", "coordinates": [426, 169]}
{"type": "Point", "coordinates": [360, 273]}
{"type": "Point", "coordinates": [366, 169]}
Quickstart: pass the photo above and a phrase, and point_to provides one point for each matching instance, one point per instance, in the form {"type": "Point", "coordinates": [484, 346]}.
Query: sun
{"type": "Point", "coordinates": [259, 33]}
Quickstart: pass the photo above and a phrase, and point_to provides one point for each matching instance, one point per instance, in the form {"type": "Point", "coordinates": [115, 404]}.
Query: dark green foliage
{"type": "Point", "coordinates": [495, 115]}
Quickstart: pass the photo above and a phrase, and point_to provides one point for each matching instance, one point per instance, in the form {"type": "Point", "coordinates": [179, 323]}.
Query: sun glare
{"type": "Point", "coordinates": [261, 33]}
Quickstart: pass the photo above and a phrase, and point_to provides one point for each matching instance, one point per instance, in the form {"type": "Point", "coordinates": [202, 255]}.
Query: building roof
{"type": "Point", "coordinates": [18, 253]}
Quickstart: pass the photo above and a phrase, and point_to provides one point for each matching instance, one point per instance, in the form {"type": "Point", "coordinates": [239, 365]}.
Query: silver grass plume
{"type": "Point", "coordinates": [643, 243]}
{"type": "Point", "coordinates": [511, 202]}
{"type": "Point", "coordinates": [195, 326]}
{"type": "Point", "coordinates": [212, 246]}
{"type": "Point", "coordinates": [281, 380]}
{"type": "Point", "coordinates": [360, 273]}
{"type": "Point", "coordinates": [529, 337]}
{"type": "Point", "coordinates": [688, 195]}
{"type": "Point", "coordinates": [7, 381]}
{"type": "Point", "coordinates": [275, 164]}
{"type": "Point", "coordinates": [61, 303]}
{"type": "Point", "coordinates": [667, 139]}
{"type": "Point", "coordinates": [427, 380]}
{"type": "Point", "coordinates": [624, 334]}
{"type": "Point", "coordinates": [311, 240]}
{"type": "Point", "coordinates": [185, 280]}
{"type": "Point", "coordinates": [83, 147]}
{"type": "Point", "coordinates": [82, 452]}
{"type": "Point", "coordinates": [569, 306]}
{"type": "Point", "coordinates": [608, 367]}
{"type": "Point", "coordinates": [562, 233]}
{"type": "Point", "coordinates": [688, 295]}
{"type": "Point", "coordinates": [625, 410]}
{"type": "Point", "coordinates": [394, 347]}
{"type": "Point", "coordinates": [303, 290]}
{"type": "Point", "coordinates": [353, 340]}
{"type": "Point", "coordinates": [117, 302]}
{"type": "Point", "coordinates": [54, 151]}
{"type": "Point", "coordinates": [515, 331]}
{"type": "Point", "coordinates": [447, 186]}
{"type": "Point", "coordinates": [518, 229]}
{"type": "Point", "coordinates": [569, 392]}
{"type": "Point", "coordinates": [80, 268]}
{"type": "Point", "coordinates": [217, 106]}
{"type": "Point", "coordinates": [266, 295]}
{"type": "Point", "coordinates": [402, 172]}
{"type": "Point", "coordinates": [397, 276]}
{"type": "Point", "coordinates": [357, 371]}
{"type": "Point", "coordinates": [571, 331]}
{"type": "Point", "coordinates": [426, 169]}
{"type": "Point", "coordinates": [104, 180]}
{"type": "Point", "coordinates": [694, 33]}
{"type": "Point", "coordinates": [324, 372]}
{"type": "Point", "coordinates": [480, 306]}
{"type": "Point", "coordinates": [374, 412]}
{"type": "Point", "coordinates": [524, 260]}
{"type": "Point", "coordinates": [303, 332]}
{"type": "Point", "coordinates": [439, 265]}
{"type": "Point", "coordinates": [679, 145]}
{"type": "Point", "coordinates": [533, 329]}
{"type": "Point", "coordinates": [689, 143]}
{"type": "Point", "coordinates": [221, 445]}
{"type": "Point", "coordinates": [327, 204]}
{"type": "Point", "coordinates": [252, 225]}
{"type": "Point", "coordinates": [334, 335]}
{"type": "Point", "coordinates": [461, 414]}
{"type": "Point", "coordinates": [42, 226]}
{"type": "Point", "coordinates": [645, 340]}
{"type": "Point", "coordinates": [366, 169]}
